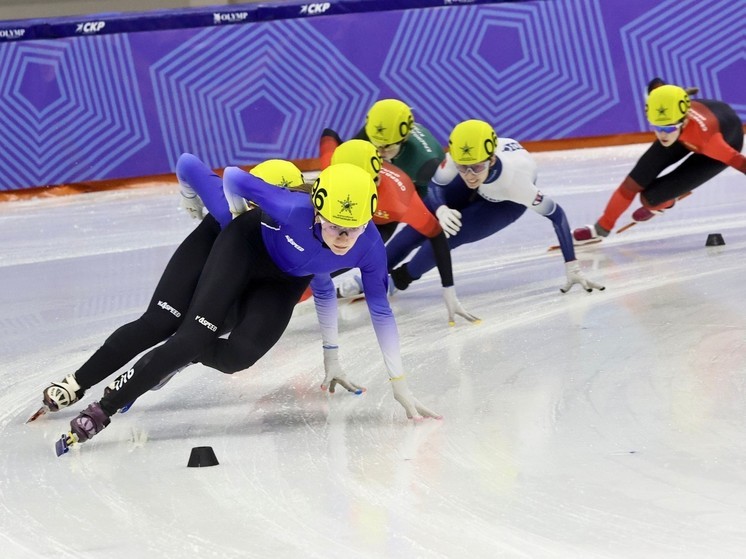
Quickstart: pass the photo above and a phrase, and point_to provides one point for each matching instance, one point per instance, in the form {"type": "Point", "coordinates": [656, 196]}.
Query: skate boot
{"type": "Point", "coordinates": [90, 421]}
{"type": "Point", "coordinates": [644, 214]}
{"type": "Point", "coordinates": [349, 287]}
{"type": "Point", "coordinates": [589, 234]}
{"type": "Point", "coordinates": [61, 394]}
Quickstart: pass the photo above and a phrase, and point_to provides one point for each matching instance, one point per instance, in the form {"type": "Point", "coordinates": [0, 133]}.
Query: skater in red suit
{"type": "Point", "coordinates": [706, 134]}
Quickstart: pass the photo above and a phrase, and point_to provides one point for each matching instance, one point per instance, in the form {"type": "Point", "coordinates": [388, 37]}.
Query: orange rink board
{"type": "Point", "coordinates": [304, 165]}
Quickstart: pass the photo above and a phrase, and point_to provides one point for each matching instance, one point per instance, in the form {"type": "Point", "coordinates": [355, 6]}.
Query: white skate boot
{"type": "Point", "coordinates": [58, 395]}
{"type": "Point", "coordinates": [349, 287]}
{"type": "Point", "coordinates": [61, 394]}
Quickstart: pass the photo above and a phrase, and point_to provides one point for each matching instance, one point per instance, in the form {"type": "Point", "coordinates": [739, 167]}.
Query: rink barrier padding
{"type": "Point", "coordinates": [122, 95]}
{"type": "Point", "coordinates": [305, 165]}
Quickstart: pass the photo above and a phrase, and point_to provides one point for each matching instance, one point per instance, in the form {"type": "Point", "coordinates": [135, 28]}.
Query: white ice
{"type": "Point", "coordinates": [603, 425]}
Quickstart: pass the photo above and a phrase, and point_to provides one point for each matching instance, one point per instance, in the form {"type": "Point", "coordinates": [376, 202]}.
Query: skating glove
{"type": "Point", "coordinates": [455, 307]}
{"type": "Point", "coordinates": [450, 220]}
{"type": "Point", "coordinates": [575, 275]}
{"type": "Point", "coordinates": [415, 410]}
{"type": "Point", "coordinates": [191, 202]}
{"type": "Point", "coordinates": [334, 375]}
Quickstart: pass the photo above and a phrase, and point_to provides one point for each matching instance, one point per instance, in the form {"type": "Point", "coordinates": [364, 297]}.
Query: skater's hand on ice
{"type": "Point", "coordinates": [334, 374]}
{"type": "Point", "coordinates": [415, 410]}
{"type": "Point", "coordinates": [192, 203]}
{"type": "Point", "coordinates": [575, 275]}
{"type": "Point", "coordinates": [450, 220]}
{"type": "Point", "coordinates": [455, 307]}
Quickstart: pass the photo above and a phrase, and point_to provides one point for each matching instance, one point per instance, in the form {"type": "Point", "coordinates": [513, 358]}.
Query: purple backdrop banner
{"type": "Point", "coordinates": [122, 95]}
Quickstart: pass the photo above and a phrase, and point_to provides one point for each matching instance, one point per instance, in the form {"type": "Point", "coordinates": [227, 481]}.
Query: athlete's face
{"type": "Point", "coordinates": [475, 174]}
{"type": "Point", "coordinates": [339, 239]}
{"type": "Point", "coordinates": [667, 135]}
{"type": "Point", "coordinates": [389, 151]}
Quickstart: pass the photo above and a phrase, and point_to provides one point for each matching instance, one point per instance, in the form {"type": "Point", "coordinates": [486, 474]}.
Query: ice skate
{"type": "Point", "coordinates": [58, 395]}
{"type": "Point", "coordinates": [643, 214]}
{"type": "Point", "coordinates": [586, 235]}
{"type": "Point", "coordinates": [350, 287]}
{"type": "Point", "coordinates": [640, 215]}
{"type": "Point", "coordinates": [89, 422]}
{"type": "Point", "coordinates": [61, 394]}
{"type": "Point", "coordinates": [83, 427]}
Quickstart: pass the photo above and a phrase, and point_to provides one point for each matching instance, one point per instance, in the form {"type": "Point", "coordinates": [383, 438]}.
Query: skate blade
{"type": "Point", "coordinates": [41, 411]}
{"type": "Point", "coordinates": [63, 444]}
{"type": "Point", "coordinates": [351, 299]}
{"type": "Point", "coordinates": [623, 229]}
{"type": "Point", "coordinates": [577, 244]}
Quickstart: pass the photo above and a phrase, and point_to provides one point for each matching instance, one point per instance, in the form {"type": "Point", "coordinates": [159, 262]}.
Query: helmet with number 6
{"type": "Point", "coordinates": [361, 154]}
{"type": "Point", "coordinates": [667, 104]}
{"type": "Point", "coordinates": [472, 141]}
{"type": "Point", "coordinates": [279, 172]}
{"type": "Point", "coordinates": [389, 121]}
{"type": "Point", "coordinates": [345, 195]}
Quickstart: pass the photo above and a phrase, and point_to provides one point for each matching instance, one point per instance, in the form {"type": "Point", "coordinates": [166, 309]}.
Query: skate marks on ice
{"type": "Point", "coordinates": [575, 425]}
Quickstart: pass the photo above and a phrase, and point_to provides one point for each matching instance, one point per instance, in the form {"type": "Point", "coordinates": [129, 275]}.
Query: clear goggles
{"type": "Point", "coordinates": [668, 129]}
{"type": "Point", "coordinates": [475, 168]}
{"type": "Point", "coordinates": [337, 230]}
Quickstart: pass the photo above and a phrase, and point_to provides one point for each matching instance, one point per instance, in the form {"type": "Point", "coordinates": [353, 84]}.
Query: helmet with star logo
{"type": "Point", "coordinates": [345, 195]}
{"type": "Point", "coordinates": [279, 172]}
{"type": "Point", "coordinates": [361, 154]}
{"type": "Point", "coordinates": [389, 121]}
{"type": "Point", "coordinates": [667, 104]}
{"type": "Point", "coordinates": [472, 141]}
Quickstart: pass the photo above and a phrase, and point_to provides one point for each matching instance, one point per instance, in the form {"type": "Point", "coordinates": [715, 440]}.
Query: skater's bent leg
{"type": "Point", "coordinates": [165, 311]}
{"type": "Point", "coordinates": [237, 259]}
{"type": "Point", "coordinates": [265, 314]}
{"type": "Point", "coordinates": [401, 244]}
{"type": "Point", "coordinates": [692, 173]}
{"type": "Point", "coordinates": [480, 220]}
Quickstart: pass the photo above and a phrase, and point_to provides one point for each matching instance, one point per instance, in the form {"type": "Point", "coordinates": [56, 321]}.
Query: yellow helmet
{"type": "Point", "coordinates": [666, 105]}
{"type": "Point", "coordinates": [472, 141]}
{"type": "Point", "coordinates": [361, 154]}
{"type": "Point", "coordinates": [279, 172]}
{"type": "Point", "coordinates": [345, 195]}
{"type": "Point", "coordinates": [389, 121]}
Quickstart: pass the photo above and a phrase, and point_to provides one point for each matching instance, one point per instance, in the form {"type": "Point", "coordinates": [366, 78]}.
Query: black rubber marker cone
{"type": "Point", "coordinates": [714, 240]}
{"type": "Point", "coordinates": [201, 457]}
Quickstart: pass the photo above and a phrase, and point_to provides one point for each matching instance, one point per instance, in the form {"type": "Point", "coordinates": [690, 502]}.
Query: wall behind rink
{"type": "Point", "coordinates": [122, 95]}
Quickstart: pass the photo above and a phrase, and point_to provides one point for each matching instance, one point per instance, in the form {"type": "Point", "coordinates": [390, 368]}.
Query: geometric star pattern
{"type": "Point", "coordinates": [256, 91]}
{"type": "Point", "coordinates": [536, 70]}
{"type": "Point", "coordinates": [71, 110]}
{"type": "Point", "coordinates": [690, 43]}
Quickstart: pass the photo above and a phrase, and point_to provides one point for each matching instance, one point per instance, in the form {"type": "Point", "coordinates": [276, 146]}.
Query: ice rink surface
{"type": "Point", "coordinates": [603, 425]}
